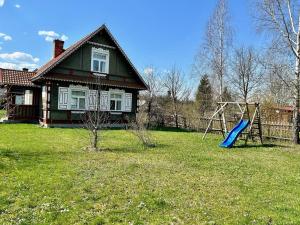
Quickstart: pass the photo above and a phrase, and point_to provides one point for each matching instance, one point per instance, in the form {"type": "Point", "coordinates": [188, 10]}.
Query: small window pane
{"type": "Point", "coordinates": [78, 93]}
{"type": "Point", "coordinates": [102, 66]}
{"type": "Point", "coordinates": [81, 103]}
{"type": "Point", "coordinates": [74, 103]}
{"type": "Point", "coordinates": [119, 103]}
{"type": "Point", "coordinates": [95, 65]}
{"type": "Point", "coordinates": [116, 96]}
{"type": "Point", "coordinates": [19, 100]}
{"type": "Point", "coordinates": [98, 55]}
{"type": "Point", "coordinates": [112, 105]}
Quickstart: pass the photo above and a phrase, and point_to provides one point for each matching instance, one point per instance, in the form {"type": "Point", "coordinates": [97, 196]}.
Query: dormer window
{"type": "Point", "coordinates": [100, 60]}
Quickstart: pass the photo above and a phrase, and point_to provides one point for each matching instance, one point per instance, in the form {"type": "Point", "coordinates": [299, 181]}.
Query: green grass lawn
{"type": "Point", "coordinates": [47, 177]}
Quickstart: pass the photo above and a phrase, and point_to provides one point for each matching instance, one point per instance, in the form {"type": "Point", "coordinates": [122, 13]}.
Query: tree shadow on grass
{"type": "Point", "coordinates": [35, 156]}
{"type": "Point", "coordinates": [134, 149]}
{"type": "Point", "coordinates": [170, 129]}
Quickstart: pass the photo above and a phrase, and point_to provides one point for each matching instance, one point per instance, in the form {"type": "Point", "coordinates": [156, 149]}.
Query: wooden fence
{"type": "Point", "coordinates": [271, 130]}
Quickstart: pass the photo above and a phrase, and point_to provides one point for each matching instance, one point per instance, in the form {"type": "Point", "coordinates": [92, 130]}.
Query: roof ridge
{"type": "Point", "coordinates": [17, 70]}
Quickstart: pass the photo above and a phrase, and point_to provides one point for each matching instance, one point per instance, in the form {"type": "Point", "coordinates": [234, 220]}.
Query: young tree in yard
{"type": "Point", "coordinates": [213, 56]}
{"type": "Point", "coordinates": [282, 19]}
{"type": "Point", "coordinates": [204, 96]}
{"type": "Point", "coordinates": [247, 73]}
{"type": "Point", "coordinates": [94, 119]}
{"type": "Point", "coordinates": [175, 85]}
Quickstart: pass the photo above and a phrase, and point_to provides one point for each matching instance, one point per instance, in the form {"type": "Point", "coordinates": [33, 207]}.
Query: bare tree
{"type": "Point", "coordinates": [175, 84]}
{"type": "Point", "coordinates": [154, 89]}
{"type": "Point", "coordinates": [139, 130]}
{"type": "Point", "coordinates": [212, 59]}
{"type": "Point", "coordinates": [94, 119]}
{"type": "Point", "coordinates": [279, 77]}
{"type": "Point", "coordinates": [282, 19]}
{"type": "Point", "coordinates": [247, 72]}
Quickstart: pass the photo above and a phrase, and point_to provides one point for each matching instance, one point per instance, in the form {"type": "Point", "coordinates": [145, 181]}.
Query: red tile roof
{"type": "Point", "coordinates": [16, 77]}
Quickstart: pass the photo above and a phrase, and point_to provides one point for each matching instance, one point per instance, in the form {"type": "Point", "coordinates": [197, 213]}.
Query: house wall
{"type": "Point", "coordinates": [79, 63]}
{"type": "Point", "coordinates": [69, 116]}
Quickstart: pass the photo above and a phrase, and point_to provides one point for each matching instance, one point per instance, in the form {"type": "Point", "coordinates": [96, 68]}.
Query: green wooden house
{"type": "Point", "coordinates": [58, 93]}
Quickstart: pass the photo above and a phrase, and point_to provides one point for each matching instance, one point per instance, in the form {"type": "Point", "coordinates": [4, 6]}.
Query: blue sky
{"type": "Point", "coordinates": [157, 32]}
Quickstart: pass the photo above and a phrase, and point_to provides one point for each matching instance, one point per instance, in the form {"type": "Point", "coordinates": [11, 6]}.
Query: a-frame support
{"type": "Point", "coordinates": [255, 129]}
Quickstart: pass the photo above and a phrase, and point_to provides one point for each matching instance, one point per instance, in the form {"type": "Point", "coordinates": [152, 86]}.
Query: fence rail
{"type": "Point", "coordinates": [270, 130]}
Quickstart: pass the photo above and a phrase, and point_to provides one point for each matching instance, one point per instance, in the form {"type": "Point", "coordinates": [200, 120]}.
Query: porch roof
{"type": "Point", "coordinates": [16, 77]}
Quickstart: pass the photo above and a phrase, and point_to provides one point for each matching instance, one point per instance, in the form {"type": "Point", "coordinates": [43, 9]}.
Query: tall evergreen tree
{"type": "Point", "coordinates": [204, 95]}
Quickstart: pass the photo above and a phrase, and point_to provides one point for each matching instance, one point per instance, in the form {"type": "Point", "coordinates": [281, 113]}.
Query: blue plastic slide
{"type": "Point", "coordinates": [234, 134]}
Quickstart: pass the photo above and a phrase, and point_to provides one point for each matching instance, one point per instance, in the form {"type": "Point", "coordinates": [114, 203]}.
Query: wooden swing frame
{"type": "Point", "coordinates": [255, 119]}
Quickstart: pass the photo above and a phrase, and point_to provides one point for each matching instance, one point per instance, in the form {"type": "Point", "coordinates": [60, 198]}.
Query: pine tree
{"type": "Point", "coordinates": [204, 95]}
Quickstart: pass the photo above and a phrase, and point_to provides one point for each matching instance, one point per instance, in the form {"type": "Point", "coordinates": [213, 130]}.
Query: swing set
{"type": "Point", "coordinates": [249, 124]}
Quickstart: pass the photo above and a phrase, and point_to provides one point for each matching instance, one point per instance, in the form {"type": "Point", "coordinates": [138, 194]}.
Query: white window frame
{"type": "Point", "coordinates": [78, 88]}
{"type": "Point", "coordinates": [116, 91]}
{"type": "Point", "coordinates": [101, 51]}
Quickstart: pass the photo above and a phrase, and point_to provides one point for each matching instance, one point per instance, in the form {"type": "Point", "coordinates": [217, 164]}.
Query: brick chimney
{"type": "Point", "coordinates": [25, 69]}
{"type": "Point", "coordinates": [58, 47]}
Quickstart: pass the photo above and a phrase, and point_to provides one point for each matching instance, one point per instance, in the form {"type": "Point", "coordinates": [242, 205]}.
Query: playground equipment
{"type": "Point", "coordinates": [252, 122]}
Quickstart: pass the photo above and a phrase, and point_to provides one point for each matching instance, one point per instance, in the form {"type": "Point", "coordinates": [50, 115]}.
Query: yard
{"type": "Point", "coordinates": [47, 177]}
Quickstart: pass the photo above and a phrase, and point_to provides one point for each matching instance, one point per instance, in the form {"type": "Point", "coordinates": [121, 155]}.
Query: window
{"type": "Point", "coordinates": [20, 100]}
{"type": "Point", "coordinates": [116, 101]}
{"type": "Point", "coordinates": [24, 99]}
{"type": "Point", "coordinates": [78, 99]}
{"type": "Point", "coordinates": [100, 60]}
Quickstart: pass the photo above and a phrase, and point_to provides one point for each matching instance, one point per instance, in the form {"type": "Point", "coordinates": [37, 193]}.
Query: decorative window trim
{"type": "Point", "coordinates": [101, 51]}
{"type": "Point", "coordinates": [117, 91]}
{"type": "Point", "coordinates": [78, 88]}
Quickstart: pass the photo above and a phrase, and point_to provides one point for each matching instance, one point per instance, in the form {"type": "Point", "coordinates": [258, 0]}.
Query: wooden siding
{"type": "Point", "coordinates": [65, 116]}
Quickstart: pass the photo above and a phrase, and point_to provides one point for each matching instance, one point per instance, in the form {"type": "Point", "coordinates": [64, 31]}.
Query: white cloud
{"type": "Point", "coordinates": [5, 37]}
{"type": "Point", "coordinates": [18, 60]}
{"type": "Point", "coordinates": [19, 57]}
{"type": "Point", "coordinates": [18, 66]}
{"type": "Point", "coordinates": [51, 35]}
{"type": "Point", "coordinates": [1, 3]}
{"type": "Point", "coordinates": [64, 37]}
{"type": "Point", "coordinates": [48, 38]}
{"type": "Point", "coordinates": [18, 6]}
{"type": "Point", "coordinates": [48, 33]}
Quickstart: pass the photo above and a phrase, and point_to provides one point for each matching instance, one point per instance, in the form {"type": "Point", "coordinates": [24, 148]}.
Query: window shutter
{"type": "Point", "coordinates": [128, 102]}
{"type": "Point", "coordinates": [63, 93]}
{"type": "Point", "coordinates": [104, 101]}
{"type": "Point", "coordinates": [92, 99]}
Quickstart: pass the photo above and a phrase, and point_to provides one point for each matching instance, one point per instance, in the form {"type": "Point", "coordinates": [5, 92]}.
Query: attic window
{"type": "Point", "coordinates": [100, 60]}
